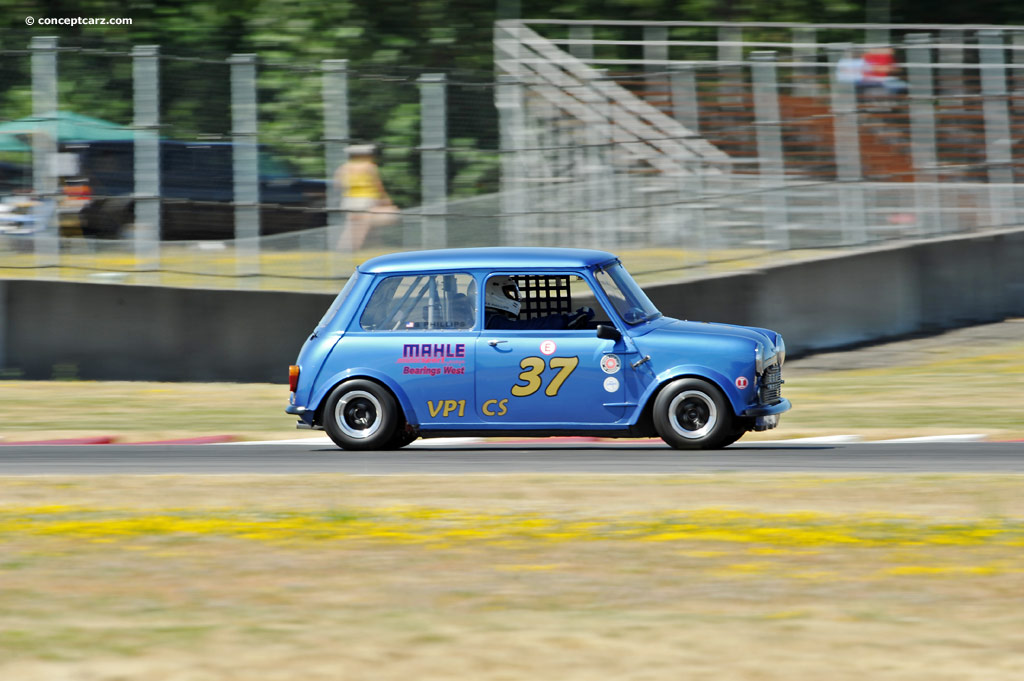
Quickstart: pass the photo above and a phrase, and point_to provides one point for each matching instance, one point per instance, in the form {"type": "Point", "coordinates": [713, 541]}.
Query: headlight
{"type": "Point", "coordinates": [780, 349]}
{"type": "Point", "coordinates": [758, 359]}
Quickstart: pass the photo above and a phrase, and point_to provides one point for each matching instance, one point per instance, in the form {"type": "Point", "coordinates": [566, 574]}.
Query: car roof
{"type": "Point", "coordinates": [499, 258]}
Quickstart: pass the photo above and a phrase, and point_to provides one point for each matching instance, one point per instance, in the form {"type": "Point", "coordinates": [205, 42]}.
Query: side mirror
{"type": "Point", "coordinates": [608, 332]}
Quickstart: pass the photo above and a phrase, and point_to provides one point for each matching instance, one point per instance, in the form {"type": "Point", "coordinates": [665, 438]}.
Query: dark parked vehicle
{"type": "Point", "coordinates": [196, 190]}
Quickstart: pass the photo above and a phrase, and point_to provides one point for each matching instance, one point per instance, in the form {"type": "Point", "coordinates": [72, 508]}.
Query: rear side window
{"type": "Point", "coordinates": [332, 311]}
{"type": "Point", "coordinates": [435, 302]}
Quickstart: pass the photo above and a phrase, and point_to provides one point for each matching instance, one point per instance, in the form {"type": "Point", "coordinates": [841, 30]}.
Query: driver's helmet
{"type": "Point", "coordinates": [502, 295]}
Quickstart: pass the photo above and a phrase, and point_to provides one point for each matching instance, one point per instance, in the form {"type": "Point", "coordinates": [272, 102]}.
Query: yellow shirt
{"type": "Point", "coordinates": [360, 180]}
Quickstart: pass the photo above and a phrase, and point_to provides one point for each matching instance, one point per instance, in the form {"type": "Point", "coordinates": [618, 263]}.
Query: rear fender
{"type": "Point", "coordinates": [326, 386]}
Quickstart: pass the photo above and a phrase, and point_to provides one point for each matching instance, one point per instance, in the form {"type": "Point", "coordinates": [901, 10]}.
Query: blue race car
{"type": "Point", "coordinates": [525, 342]}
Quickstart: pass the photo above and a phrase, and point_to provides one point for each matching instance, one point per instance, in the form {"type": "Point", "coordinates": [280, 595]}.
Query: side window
{"type": "Point", "coordinates": [545, 301]}
{"type": "Point", "coordinates": [435, 302]}
{"type": "Point", "coordinates": [332, 311]}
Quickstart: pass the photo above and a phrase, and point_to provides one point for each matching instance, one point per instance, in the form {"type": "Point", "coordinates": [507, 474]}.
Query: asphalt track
{"type": "Point", "coordinates": [540, 457]}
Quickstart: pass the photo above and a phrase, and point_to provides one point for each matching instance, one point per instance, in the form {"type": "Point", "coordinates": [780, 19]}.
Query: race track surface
{"type": "Point", "coordinates": [592, 458]}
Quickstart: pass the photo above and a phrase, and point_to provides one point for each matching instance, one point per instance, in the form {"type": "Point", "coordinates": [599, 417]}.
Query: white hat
{"type": "Point", "coordinates": [362, 149]}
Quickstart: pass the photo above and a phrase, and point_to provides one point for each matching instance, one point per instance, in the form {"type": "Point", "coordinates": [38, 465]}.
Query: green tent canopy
{"type": "Point", "coordinates": [11, 142]}
{"type": "Point", "coordinates": [69, 127]}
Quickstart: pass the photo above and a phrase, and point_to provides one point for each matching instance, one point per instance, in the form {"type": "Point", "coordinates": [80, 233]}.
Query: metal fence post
{"type": "Point", "coordinates": [246, 165]}
{"type": "Point", "coordinates": [146, 90]}
{"type": "Point", "coordinates": [655, 50]}
{"type": "Point", "coordinates": [336, 139]}
{"type": "Point", "coordinates": [730, 78]}
{"type": "Point", "coordinates": [806, 50]}
{"type": "Point", "coordinates": [685, 106]}
{"type": "Point", "coordinates": [585, 50]}
{"type": "Point", "coordinates": [846, 133]}
{"type": "Point", "coordinates": [997, 127]}
{"type": "Point", "coordinates": [771, 161]}
{"type": "Point", "coordinates": [508, 100]}
{"type": "Point", "coordinates": [1017, 74]}
{"type": "Point", "coordinates": [951, 77]}
{"type": "Point", "coordinates": [46, 241]}
{"type": "Point", "coordinates": [433, 160]}
{"type": "Point", "coordinates": [877, 15]}
{"type": "Point", "coordinates": [923, 152]}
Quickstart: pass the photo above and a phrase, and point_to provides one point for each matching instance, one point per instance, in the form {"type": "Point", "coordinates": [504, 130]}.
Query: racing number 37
{"type": "Point", "coordinates": [532, 368]}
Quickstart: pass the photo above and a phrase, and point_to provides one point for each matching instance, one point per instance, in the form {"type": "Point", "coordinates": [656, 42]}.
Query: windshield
{"type": "Point", "coordinates": [629, 300]}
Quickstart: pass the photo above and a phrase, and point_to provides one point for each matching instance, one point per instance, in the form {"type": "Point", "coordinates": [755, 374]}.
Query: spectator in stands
{"type": "Point", "coordinates": [880, 70]}
{"type": "Point", "coordinates": [850, 69]}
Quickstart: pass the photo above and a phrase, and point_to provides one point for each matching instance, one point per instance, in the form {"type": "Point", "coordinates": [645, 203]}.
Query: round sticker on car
{"type": "Point", "coordinates": [610, 364]}
{"type": "Point", "coordinates": [742, 382]}
{"type": "Point", "coordinates": [548, 347]}
{"type": "Point", "coordinates": [611, 384]}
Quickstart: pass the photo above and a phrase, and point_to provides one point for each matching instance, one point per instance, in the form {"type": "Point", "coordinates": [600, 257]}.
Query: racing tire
{"type": "Point", "coordinates": [402, 438]}
{"type": "Point", "coordinates": [361, 415]}
{"type": "Point", "coordinates": [738, 431]}
{"type": "Point", "coordinates": [693, 414]}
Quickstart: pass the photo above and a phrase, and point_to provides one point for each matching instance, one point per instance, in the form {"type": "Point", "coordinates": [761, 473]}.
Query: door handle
{"type": "Point", "coordinates": [493, 343]}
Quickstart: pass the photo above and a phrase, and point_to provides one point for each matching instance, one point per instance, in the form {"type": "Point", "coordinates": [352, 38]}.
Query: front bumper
{"type": "Point", "coordinates": [783, 405]}
{"type": "Point", "coordinates": [766, 417]}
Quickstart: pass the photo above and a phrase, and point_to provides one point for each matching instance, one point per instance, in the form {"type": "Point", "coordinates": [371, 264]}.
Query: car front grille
{"type": "Point", "coordinates": [771, 384]}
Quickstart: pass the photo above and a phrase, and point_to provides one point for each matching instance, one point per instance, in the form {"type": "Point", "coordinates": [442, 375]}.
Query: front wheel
{"type": "Point", "coordinates": [361, 415]}
{"type": "Point", "coordinates": [694, 414]}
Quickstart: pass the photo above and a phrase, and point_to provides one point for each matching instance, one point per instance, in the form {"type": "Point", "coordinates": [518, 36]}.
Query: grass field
{"type": "Point", "coordinates": [731, 577]}
{"type": "Point", "coordinates": [726, 577]}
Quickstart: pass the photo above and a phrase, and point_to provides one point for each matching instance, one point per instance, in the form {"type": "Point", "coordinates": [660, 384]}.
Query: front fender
{"type": "Point", "coordinates": [725, 384]}
{"type": "Point", "coordinates": [329, 384]}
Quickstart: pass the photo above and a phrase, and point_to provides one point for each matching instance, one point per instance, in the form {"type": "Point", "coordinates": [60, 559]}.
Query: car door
{"type": "Point", "coordinates": [548, 378]}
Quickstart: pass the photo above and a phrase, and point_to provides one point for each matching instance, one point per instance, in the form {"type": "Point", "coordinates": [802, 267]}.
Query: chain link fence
{"type": "Point", "coordinates": [679, 145]}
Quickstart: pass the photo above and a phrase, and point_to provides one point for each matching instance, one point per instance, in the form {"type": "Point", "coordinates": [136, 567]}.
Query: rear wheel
{"type": "Point", "coordinates": [694, 414]}
{"type": "Point", "coordinates": [361, 415]}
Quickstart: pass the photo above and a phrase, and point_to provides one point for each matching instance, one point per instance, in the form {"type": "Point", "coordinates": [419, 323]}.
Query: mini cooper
{"type": "Point", "coordinates": [525, 342]}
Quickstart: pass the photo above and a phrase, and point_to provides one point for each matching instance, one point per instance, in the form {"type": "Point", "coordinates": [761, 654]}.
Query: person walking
{"type": "Point", "coordinates": [363, 198]}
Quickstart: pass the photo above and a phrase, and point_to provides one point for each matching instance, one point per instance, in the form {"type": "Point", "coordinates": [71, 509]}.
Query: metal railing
{"type": "Point", "coordinates": [814, 156]}
{"type": "Point", "coordinates": [722, 143]}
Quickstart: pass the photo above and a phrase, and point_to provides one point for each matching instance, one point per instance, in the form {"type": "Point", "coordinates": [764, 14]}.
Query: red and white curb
{"type": "Point", "coordinates": [450, 441]}
{"type": "Point", "coordinates": [823, 440]}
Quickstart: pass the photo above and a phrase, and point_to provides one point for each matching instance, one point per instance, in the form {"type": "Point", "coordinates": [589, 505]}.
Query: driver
{"type": "Point", "coordinates": [501, 308]}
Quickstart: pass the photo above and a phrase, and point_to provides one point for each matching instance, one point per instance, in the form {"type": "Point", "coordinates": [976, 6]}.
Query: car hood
{"type": "Point", "coordinates": [767, 337]}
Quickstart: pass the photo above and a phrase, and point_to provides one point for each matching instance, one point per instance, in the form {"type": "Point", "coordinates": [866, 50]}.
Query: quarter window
{"type": "Point", "coordinates": [435, 302]}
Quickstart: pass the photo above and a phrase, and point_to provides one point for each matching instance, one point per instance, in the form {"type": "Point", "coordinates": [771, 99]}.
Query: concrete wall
{"type": "Point", "coordinates": [113, 332]}
{"type": "Point", "coordinates": [865, 296]}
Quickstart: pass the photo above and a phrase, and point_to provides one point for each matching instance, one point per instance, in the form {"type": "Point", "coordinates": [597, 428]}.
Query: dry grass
{"type": "Point", "coordinates": [215, 265]}
{"type": "Point", "coordinates": [759, 577]}
{"type": "Point", "coordinates": [963, 388]}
